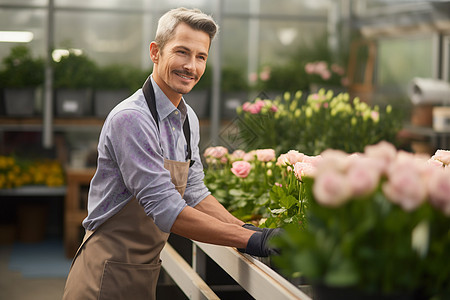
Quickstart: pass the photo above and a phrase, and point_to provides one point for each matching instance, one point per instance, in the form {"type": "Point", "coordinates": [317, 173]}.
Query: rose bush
{"type": "Point", "coordinates": [376, 221]}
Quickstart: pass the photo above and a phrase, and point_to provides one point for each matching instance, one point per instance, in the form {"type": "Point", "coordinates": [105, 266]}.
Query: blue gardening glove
{"type": "Point", "coordinates": [257, 244]}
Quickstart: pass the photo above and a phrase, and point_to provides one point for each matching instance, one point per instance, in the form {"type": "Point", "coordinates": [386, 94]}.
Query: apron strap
{"type": "Point", "coordinates": [149, 95]}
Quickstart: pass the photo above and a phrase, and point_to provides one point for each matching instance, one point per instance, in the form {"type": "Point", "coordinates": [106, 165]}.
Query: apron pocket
{"type": "Point", "coordinates": [129, 281]}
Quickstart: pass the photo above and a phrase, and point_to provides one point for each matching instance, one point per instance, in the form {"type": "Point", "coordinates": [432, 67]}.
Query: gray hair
{"type": "Point", "coordinates": [195, 18]}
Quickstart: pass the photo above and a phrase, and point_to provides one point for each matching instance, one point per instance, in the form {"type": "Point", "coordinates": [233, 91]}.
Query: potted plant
{"type": "Point", "coordinates": [113, 84]}
{"type": "Point", "coordinates": [377, 226]}
{"type": "Point", "coordinates": [20, 76]}
{"type": "Point", "coordinates": [74, 78]}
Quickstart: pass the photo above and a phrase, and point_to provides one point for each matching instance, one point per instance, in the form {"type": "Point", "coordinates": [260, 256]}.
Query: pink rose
{"type": "Point", "coordinates": [314, 160]}
{"type": "Point", "coordinates": [294, 156]}
{"type": "Point", "coordinates": [253, 77]}
{"type": "Point", "coordinates": [439, 190]}
{"type": "Point", "coordinates": [321, 66]}
{"type": "Point", "coordinates": [265, 155]}
{"type": "Point", "coordinates": [337, 69]}
{"type": "Point", "coordinates": [246, 106]}
{"type": "Point", "coordinates": [331, 189]}
{"type": "Point", "coordinates": [435, 163]}
{"type": "Point", "coordinates": [405, 187]}
{"type": "Point", "coordinates": [334, 159]}
{"type": "Point", "coordinates": [265, 74]}
{"type": "Point", "coordinates": [443, 156]}
{"type": "Point", "coordinates": [304, 169]}
{"type": "Point", "coordinates": [208, 152]}
{"type": "Point", "coordinates": [241, 168]}
{"type": "Point", "coordinates": [363, 176]}
{"type": "Point", "coordinates": [282, 160]}
{"type": "Point", "coordinates": [250, 156]}
{"type": "Point", "coordinates": [384, 152]}
{"type": "Point", "coordinates": [215, 152]}
{"type": "Point", "coordinates": [238, 154]}
{"type": "Point", "coordinates": [310, 68]}
{"type": "Point", "coordinates": [375, 116]}
{"type": "Point", "coordinates": [325, 74]}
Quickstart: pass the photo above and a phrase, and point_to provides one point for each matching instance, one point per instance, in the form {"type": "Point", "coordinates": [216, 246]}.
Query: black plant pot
{"type": "Point", "coordinates": [19, 102]}
{"type": "Point", "coordinates": [106, 100]}
{"type": "Point", "coordinates": [73, 102]}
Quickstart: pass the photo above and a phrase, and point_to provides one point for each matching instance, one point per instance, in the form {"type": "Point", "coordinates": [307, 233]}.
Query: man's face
{"type": "Point", "coordinates": [181, 63]}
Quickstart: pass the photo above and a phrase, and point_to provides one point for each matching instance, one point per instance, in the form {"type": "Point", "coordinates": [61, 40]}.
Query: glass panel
{"type": "Point", "coordinates": [401, 59]}
{"type": "Point", "coordinates": [446, 58]}
{"type": "Point", "coordinates": [207, 6]}
{"type": "Point", "coordinates": [234, 34]}
{"type": "Point", "coordinates": [236, 6]}
{"type": "Point", "coordinates": [22, 2]}
{"type": "Point", "coordinates": [295, 7]}
{"type": "Point", "coordinates": [24, 20]}
{"type": "Point", "coordinates": [105, 37]}
{"type": "Point", "coordinates": [281, 38]}
{"type": "Point", "coordinates": [110, 4]}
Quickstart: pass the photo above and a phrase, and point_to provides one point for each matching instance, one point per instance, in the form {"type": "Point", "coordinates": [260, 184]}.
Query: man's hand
{"type": "Point", "coordinates": [257, 244]}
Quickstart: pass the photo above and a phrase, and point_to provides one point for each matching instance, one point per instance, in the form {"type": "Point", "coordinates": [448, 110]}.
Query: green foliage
{"type": "Point", "coordinates": [245, 198]}
{"type": "Point", "coordinates": [288, 202]}
{"type": "Point", "coordinates": [320, 122]}
{"type": "Point", "coordinates": [74, 71]}
{"type": "Point", "coordinates": [118, 76]}
{"type": "Point", "coordinates": [233, 80]}
{"type": "Point", "coordinates": [20, 69]}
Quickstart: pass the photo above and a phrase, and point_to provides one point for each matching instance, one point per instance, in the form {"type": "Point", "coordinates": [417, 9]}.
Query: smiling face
{"type": "Point", "coordinates": [181, 63]}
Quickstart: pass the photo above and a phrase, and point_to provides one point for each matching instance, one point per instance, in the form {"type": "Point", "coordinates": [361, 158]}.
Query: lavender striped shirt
{"type": "Point", "coordinates": [130, 163]}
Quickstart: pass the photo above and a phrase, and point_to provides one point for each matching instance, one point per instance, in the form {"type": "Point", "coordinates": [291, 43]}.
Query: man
{"type": "Point", "coordinates": [149, 178]}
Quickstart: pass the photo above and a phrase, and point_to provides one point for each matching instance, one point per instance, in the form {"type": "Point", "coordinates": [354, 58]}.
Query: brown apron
{"type": "Point", "coordinates": [120, 259]}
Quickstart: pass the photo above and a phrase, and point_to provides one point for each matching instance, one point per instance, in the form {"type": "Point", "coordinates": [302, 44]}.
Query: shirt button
{"type": "Point", "coordinates": [173, 128]}
{"type": "Point", "coordinates": [176, 112]}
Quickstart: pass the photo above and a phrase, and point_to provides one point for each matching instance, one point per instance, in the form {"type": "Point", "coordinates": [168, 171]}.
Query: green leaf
{"type": "Point", "coordinates": [288, 201]}
{"type": "Point", "coordinates": [236, 193]}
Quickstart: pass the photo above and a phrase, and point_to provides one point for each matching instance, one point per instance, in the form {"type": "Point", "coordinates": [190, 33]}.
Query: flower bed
{"type": "Point", "coordinates": [16, 172]}
{"type": "Point", "coordinates": [377, 221]}
{"type": "Point", "coordinates": [319, 122]}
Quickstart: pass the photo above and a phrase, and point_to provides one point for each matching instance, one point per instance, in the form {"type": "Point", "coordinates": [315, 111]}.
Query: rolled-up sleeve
{"type": "Point", "coordinates": [134, 144]}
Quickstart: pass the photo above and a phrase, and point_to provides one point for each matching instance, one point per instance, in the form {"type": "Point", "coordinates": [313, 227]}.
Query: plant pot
{"type": "Point", "coordinates": [73, 102]}
{"type": "Point", "coordinates": [231, 101]}
{"type": "Point", "coordinates": [19, 102]}
{"type": "Point", "coordinates": [323, 292]}
{"type": "Point", "coordinates": [199, 101]}
{"type": "Point", "coordinates": [106, 100]}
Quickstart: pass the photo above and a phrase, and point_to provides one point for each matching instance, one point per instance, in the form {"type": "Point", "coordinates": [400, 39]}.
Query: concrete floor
{"type": "Point", "coordinates": [13, 286]}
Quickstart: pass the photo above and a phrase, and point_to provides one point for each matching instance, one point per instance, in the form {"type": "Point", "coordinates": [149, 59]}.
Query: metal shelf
{"type": "Point", "coordinates": [59, 124]}
{"type": "Point", "coordinates": [34, 191]}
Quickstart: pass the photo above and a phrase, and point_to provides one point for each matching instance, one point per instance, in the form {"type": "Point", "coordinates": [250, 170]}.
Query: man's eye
{"type": "Point", "coordinates": [202, 57]}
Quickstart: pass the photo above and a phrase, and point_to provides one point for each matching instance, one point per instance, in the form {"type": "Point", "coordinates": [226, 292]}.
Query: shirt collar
{"type": "Point", "coordinates": [164, 106]}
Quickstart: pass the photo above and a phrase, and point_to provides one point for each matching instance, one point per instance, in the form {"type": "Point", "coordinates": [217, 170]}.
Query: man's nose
{"type": "Point", "coordinates": [190, 64]}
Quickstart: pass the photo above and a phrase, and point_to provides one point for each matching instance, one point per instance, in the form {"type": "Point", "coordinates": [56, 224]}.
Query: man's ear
{"type": "Point", "coordinates": [154, 52]}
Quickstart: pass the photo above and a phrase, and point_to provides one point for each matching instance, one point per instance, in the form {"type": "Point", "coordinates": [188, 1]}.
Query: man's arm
{"type": "Point", "coordinates": [212, 207]}
{"type": "Point", "coordinates": [194, 224]}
